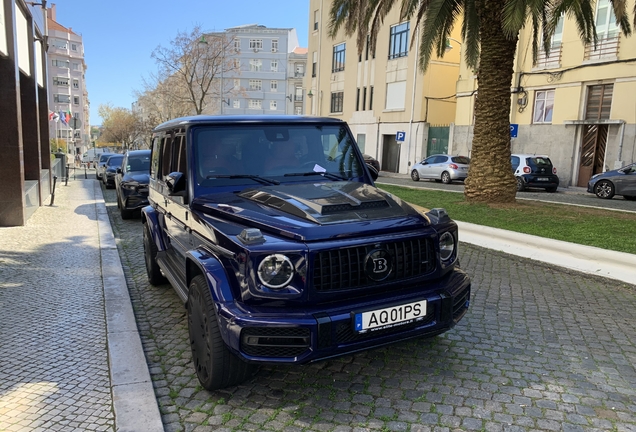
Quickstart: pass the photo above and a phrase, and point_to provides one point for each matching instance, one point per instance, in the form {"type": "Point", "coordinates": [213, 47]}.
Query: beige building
{"type": "Point", "coordinates": [67, 85]}
{"type": "Point", "coordinates": [382, 94]}
{"type": "Point", "coordinates": [576, 105]}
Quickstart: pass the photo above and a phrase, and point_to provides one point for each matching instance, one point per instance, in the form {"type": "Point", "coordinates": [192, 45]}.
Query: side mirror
{"type": "Point", "coordinates": [119, 171]}
{"type": "Point", "coordinates": [176, 182]}
{"type": "Point", "coordinates": [373, 172]}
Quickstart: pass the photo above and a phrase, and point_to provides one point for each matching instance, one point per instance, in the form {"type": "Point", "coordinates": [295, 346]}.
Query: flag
{"type": "Point", "coordinates": [68, 116]}
{"type": "Point", "coordinates": [54, 116]}
{"type": "Point", "coordinates": [63, 118]}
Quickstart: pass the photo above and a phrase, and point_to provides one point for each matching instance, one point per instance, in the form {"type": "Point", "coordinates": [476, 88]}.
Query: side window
{"type": "Point", "coordinates": [514, 160]}
{"type": "Point", "coordinates": [156, 152]}
{"type": "Point", "coordinates": [166, 156]}
{"type": "Point", "coordinates": [124, 164]}
{"type": "Point", "coordinates": [181, 165]}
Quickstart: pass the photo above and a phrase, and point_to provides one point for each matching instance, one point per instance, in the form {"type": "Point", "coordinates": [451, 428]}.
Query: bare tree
{"type": "Point", "coordinates": [119, 125]}
{"type": "Point", "coordinates": [192, 67]}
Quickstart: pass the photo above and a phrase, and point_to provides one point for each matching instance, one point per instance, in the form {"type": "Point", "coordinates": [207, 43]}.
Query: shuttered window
{"type": "Point", "coordinates": [599, 102]}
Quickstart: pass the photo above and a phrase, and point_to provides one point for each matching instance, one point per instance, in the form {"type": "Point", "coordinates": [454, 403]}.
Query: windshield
{"type": "Point", "coordinates": [115, 161]}
{"type": "Point", "coordinates": [246, 154]}
{"type": "Point", "coordinates": [139, 163]}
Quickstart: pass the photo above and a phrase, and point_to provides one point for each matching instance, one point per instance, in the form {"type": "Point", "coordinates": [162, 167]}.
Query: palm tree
{"type": "Point", "coordinates": [490, 31]}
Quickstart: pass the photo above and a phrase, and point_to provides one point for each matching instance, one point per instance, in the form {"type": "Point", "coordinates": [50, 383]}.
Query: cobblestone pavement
{"type": "Point", "coordinates": [540, 349]}
{"type": "Point", "coordinates": [53, 357]}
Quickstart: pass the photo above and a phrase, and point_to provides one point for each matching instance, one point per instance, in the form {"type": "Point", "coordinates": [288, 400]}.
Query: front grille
{"type": "Point", "coordinates": [275, 341]}
{"type": "Point", "coordinates": [346, 334]}
{"type": "Point", "coordinates": [345, 268]}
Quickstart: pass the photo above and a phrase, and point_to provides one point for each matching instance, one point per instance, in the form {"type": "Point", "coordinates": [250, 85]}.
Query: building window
{"type": "Point", "coordinates": [274, 45]}
{"type": "Point", "coordinates": [337, 99]}
{"type": "Point", "coordinates": [61, 63]}
{"type": "Point", "coordinates": [371, 97]}
{"type": "Point", "coordinates": [273, 86]}
{"type": "Point", "coordinates": [61, 81]}
{"type": "Point", "coordinates": [316, 15]}
{"type": "Point", "coordinates": [599, 102]}
{"type": "Point", "coordinates": [364, 98]}
{"type": "Point", "coordinates": [256, 65]}
{"type": "Point", "coordinates": [606, 26]}
{"type": "Point", "coordinates": [75, 66]}
{"type": "Point", "coordinates": [358, 99]}
{"type": "Point", "coordinates": [256, 85]}
{"type": "Point", "coordinates": [338, 62]}
{"type": "Point", "coordinates": [314, 65]}
{"type": "Point", "coordinates": [236, 103]}
{"type": "Point", "coordinates": [543, 106]}
{"type": "Point", "coordinates": [256, 44]}
{"type": "Point", "coordinates": [298, 110]}
{"type": "Point", "coordinates": [75, 84]}
{"type": "Point", "coordinates": [236, 63]}
{"type": "Point", "coordinates": [361, 139]}
{"type": "Point", "coordinates": [75, 100]}
{"type": "Point", "coordinates": [274, 66]}
{"type": "Point", "coordinates": [273, 105]}
{"type": "Point", "coordinates": [300, 70]}
{"type": "Point", "coordinates": [399, 40]}
{"type": "Point", "coordinates": [298, 96]}
{"type": "Point", "coordinates": [255, 104]}
{"type": "Point", "coordinates": [237, 44]}
{"type": "Point", "coordinates": [237, 84]}
{"type": "Point", "coordinates": [61, 98]}
{"type": "Point", "coordinates": [366, 51]}
{"type": "Point", "coordinates": [73, 47]}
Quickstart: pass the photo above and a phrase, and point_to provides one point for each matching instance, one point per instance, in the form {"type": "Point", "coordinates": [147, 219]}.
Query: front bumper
{"type": "Point", "coordinates": [134, 199]}
{"type": "Point", "coordinates": [302, 336]}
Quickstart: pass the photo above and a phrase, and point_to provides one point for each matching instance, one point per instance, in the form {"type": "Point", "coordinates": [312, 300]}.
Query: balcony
{"type": "Point", "coordinates": [299, 74]}
{"type": "Point", "coordinates": [606, 48]}
{"type": "Point", "coordinates": [298, 98]}
{"type": "Point", "coordinates": [550, 61]}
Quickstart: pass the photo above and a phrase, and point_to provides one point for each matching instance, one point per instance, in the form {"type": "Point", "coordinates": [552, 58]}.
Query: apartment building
{"type": "Point", "coordinates": [264, 77]}
{"type": "Point", "coordinates": [68, 98]}
{"type": "Point", "coordinates": [25, 163]}
{"type": "Point", "coordinates": [575, 105]}
{"type": "Point", "coordinates": [398, 114]}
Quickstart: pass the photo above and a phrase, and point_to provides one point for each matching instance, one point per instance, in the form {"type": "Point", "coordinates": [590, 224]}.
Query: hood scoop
{"type": "Point", "coordinates": [325, 203]}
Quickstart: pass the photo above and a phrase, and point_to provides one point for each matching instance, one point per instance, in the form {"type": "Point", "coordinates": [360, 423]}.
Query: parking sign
{"type": "Point", "coordinates": [399, 137]}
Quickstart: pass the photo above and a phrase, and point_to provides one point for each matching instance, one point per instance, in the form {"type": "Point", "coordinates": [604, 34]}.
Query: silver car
{"type": "Point", "coordinates": [441, 168]}
{"type": "Point", "coordinates": [617, 182]}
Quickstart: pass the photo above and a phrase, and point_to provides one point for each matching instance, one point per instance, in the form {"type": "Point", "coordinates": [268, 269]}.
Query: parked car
{"type": "Point", "coordinates": [371, 162]}
{"type": "Point", "coordinates": [103, 158]}
{"type": "Point", "coordinates": [110, 169]}
{"type": "Point", "coordinates": [290, 262]}
{"type": "Point", "coordinates": [534, 171]}
{"type": "Point", "coordinates": [131, 182]}
{"type": "Point", "coordinates": [441, 168]}
{"type": "Point", "coordinates": [616, 182]}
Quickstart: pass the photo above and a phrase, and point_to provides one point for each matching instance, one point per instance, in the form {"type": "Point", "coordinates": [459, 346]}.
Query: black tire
{"type": "Point", "coordinates": [150, 257]}
{"type": "Point", "coordinates": [415, 176]}
{"type": "Point", "coordinates": [520, 185]}
{"type": "Point", "coordinates": [446, 178]}
{"type": "Point", "coordinates": [215, 366]}
{"type": "Point", "coordinates": [125, 213]}
{"type": "Point", "coordinates": [629, 198]}
{"type": "Point", "coordinates": [551, 189]}
{"type": "Point", "coordinates": [604, 189]}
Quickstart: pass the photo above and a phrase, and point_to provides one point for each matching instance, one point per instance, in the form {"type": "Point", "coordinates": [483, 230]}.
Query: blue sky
{"type": "Point", "coordinates": [120, 35]}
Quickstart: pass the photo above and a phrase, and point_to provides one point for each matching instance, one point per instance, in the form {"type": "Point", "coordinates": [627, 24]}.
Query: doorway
{"type": "Point", "coordinates": [592, 152]}
{"type": "Point", "coordinates": [390, 153]}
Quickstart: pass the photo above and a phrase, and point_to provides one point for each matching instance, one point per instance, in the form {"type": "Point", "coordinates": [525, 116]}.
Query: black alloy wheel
{"type": "Point", "coordinates": [215, 366]}
{"type": "Point", "coordinates": [150, 257]}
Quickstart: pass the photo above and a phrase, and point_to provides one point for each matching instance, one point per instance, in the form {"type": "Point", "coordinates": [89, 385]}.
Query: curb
{"type": "Point", "coordinates": [586, 259]}
{"type": "Point", "coordinates": [134, 401]}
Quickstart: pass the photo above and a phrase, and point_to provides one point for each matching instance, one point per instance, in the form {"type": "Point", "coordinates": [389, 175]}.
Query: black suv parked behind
{"type": "Point", "coordinates": [272, 232]}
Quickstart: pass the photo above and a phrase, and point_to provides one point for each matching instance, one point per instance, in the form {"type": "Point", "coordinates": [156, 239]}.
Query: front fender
{"type": "Point", "coordinates": [152, 218]}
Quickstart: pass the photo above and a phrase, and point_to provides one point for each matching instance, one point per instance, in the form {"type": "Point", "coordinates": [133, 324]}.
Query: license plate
{"type": "Point", "coordinates": [542, 179]}
{"type": "Point", "coordinates": [390, 317]}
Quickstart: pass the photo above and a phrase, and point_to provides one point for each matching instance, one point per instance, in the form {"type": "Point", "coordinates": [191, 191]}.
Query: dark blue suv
{"type": "Point", "coordinates": [271, 231]}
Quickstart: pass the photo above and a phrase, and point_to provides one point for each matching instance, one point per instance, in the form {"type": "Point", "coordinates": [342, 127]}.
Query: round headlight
{"type": "Point", "coordinates": [446, 246]}
{"type": "Point", "coordinates": [275, 271]}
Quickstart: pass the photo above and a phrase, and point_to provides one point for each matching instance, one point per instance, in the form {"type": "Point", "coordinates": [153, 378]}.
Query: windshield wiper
{"type": "Point", "coordinates": [263, 180]}
{"type": "Point", "coordinates": [329, 175]}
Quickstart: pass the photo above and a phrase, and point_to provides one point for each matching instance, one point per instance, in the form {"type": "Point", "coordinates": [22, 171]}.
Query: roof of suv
{"type": "Point", "coordinates": [247, 119]}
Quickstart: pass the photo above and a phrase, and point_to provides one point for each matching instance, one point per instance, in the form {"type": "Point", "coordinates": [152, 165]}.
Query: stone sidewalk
{"type": "Point", "coordinates": [70, 353]}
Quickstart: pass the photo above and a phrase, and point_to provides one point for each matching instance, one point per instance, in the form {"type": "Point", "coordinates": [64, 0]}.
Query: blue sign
{"type": "Point", "coordinates": [514, 130]}
{"type": "Point", "coordinates": [399, 137]}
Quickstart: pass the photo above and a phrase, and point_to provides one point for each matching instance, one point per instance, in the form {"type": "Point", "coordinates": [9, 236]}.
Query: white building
{"type": "Point", "coordinates": [67, 86]}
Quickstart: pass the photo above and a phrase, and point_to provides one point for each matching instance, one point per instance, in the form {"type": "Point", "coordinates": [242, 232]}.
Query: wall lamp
{"type": "Point", "coordinates": [310, 94]}
{"type": "Point", "coordinates": [448, 46]}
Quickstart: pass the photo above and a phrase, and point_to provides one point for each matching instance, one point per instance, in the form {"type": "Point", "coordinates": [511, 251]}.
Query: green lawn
{"type": "Point", "coordinates": [593, 227]}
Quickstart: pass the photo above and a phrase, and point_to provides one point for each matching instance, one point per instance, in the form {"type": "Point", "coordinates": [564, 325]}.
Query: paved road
{"type": "Point", "coordinates": [540, 349]}
{"type": "Point", "coordinates": [577, 196]}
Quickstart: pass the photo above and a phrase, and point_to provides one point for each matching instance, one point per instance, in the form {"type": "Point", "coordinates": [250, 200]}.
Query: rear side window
{"type": "Point", "coordinates": [156, 151]}
{"type": "Point", "coordinates": [514, 160]}
{"type": "Point", "coordinates": [461, 160]}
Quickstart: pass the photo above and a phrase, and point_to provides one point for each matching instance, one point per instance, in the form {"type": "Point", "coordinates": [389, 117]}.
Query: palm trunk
{"type": "Point", "coordinates": [490, 178]}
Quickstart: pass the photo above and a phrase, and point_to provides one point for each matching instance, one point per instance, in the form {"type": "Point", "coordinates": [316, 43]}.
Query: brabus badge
{"type": "Point", "coordinates": [378, 264]}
